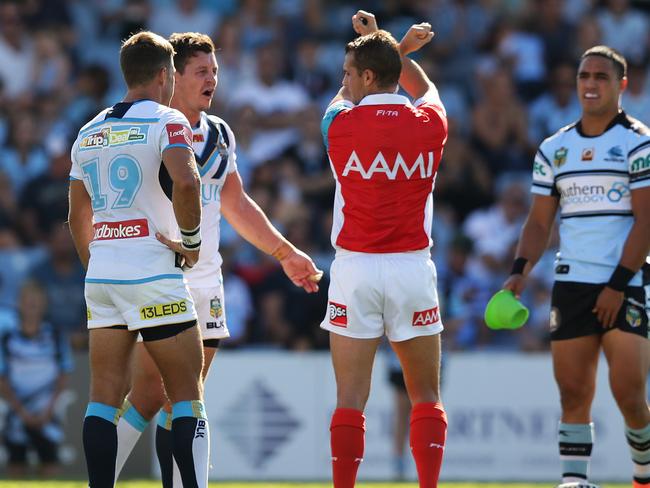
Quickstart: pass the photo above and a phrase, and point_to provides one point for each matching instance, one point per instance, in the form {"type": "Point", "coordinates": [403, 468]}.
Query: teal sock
{"type": "Point", "coordinates": [576, 441]}
{"type": "Point", "coordinates": [639, 441]}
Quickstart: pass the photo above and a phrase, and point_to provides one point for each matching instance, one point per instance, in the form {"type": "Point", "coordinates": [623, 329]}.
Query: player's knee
{"type": "Point", "coordinates": [630, 398]}
{"type": "Point", "coordinates": [352, 398]}
{"type": "Point", "coordinates": [108, 389]}
{"type": "Point", "coordinates": [148, 405]}
{"type": "Point", "coordinates": [575, 395]}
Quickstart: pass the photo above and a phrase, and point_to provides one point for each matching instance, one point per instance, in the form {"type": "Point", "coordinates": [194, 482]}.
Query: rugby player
{"type": "Point", "coordinates": [134, 283]}
{"type": "Point", "coordinates": [384, 153]}
{"type": "Point", "coordinates": [597, 173]}
{"type": "Point", "coordinates": [221, 192]}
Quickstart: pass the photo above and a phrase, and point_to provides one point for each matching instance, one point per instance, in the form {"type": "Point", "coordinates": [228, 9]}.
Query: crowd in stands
{"type": "Point", "coordinates": [506, 73]}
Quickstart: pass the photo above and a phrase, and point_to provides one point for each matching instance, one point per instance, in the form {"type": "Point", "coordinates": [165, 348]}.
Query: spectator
{"type": "Point", "coordinates": [636, 99]}
{"type": "Point", "coordinates": [277, 103]}
{"type": "Point", "coordinates": [44, 199]}
{"type": "Point", "coordinates": [499, 125]}
{"type": "Point", "coordinates": [183, 16]}
{"type": "Point", "coordinates": [624, 29]}
{"type": "Point", "coordinates": [34, 363]}
{"type": "Point", "coordinates": [556, 108]}
{"type": "Point", "coordinates": [16, 52]}
{"type": "Point", "coordinates": [23, 157]}
{"type": "Point", "coordinates": [62, 277]}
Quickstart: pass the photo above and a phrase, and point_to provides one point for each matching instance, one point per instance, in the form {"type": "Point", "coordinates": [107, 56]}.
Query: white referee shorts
{"type": "Point", "coordinates": [375, 294]}
{"type": "Point", "coordinates": [139, 306]}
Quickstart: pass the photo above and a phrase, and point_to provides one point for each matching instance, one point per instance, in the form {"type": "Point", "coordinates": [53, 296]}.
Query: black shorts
{"type": "Point", "coordinates": [47, 451]}
{"type": "Point", "coordinates": [571, 311]}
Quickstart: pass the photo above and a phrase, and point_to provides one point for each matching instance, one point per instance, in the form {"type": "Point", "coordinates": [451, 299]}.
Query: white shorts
{"type": "Point", "coordinates": [211, 311]}
{"type": "Point", "coordinates": [138, 306]}
{"type": "Point", "coordinates": [392, 293]}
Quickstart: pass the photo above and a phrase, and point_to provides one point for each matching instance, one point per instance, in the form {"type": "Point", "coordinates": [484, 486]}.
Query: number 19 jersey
{"type": "Point", "coordinates": [118, 156]}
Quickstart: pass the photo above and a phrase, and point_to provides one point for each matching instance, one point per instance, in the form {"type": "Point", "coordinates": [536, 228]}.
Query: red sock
{"type": "Point", "coordinates": [347, 439]}
{"type": "Point", "coordinates": [427, 440]}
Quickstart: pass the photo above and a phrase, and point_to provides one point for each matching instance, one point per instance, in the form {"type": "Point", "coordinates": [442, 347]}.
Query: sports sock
{"type": "Point", "coordinates": [347, 432]}
{"type": "Point", "coordinates": [129, 429]}
{"type": "Point", "coordinates": [100, 444]}
{"type": "Point", "coordinates": [427, 440]}
{"type": "Point", "coordinates": [576, 442]}
{"type": "Point", "coordinates": [639, 442]}
{"type": "Point", "coordinates": [164, 448]}
{"type": "Point", "coordinates": [191, 442]}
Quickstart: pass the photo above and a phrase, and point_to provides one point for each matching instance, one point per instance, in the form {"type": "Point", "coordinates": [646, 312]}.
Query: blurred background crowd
{"type": "Point", "coordinates": [506, 73]}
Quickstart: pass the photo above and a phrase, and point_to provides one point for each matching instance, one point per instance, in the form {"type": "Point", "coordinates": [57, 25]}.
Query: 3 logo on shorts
{"type": "Point", "coordinates": [125, 229]}
{"type": "Point", "coordinates": [163, 310]}
{"type": "Point", "coordinates": [426, 317]}
{"type": "Point", "coordinates": [338, 314]}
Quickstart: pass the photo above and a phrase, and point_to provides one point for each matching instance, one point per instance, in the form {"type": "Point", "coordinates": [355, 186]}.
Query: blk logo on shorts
{"type": "Point", "coordinates": [426, 317]}
{"type": "Point", "coordinates": [338, 314]}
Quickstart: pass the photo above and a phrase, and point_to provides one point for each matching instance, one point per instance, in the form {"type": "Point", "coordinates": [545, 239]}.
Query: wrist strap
{"type": "Point", "coordinates": [518, 266]}
{"type": "Point", "coordinates": [191, 239]}
{"type": "Point", "coordinates": [282, 250]}
{"type": "Point", "coordinates": [620, 278]}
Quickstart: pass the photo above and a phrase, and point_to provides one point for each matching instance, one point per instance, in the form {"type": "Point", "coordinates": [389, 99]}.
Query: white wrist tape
{"type": "Point", "coordinates": [191, 239]}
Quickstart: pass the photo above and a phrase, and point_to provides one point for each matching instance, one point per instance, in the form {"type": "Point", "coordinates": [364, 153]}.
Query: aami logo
{"type": "Point", "coordinates": [125, 229]}
{"type": "Point", "coordinates": [338, 314]}
{"type": "Point", "coordinates": [426, 317]}
{"type": "Point", "coordinates": [380, 165]}
{"type": "Point", "coordinates": [259, 424]}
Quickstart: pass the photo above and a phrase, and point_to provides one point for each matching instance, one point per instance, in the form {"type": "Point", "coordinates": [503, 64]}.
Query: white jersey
{"type": "Point", "coordinates": [214, 147]}
{"type": "Point", "coordinates": [593, 177]}
{"type": "Point", "coordinates": [118, 156]}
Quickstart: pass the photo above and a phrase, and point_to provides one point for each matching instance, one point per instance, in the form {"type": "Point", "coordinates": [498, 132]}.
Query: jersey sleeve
{"type": "Point", "coordinates": [639, 165]}
{"type": "Point", "coordinates": [330, 114]}
{"type": "Point", "coordinates": [543, 177]}
{"type": "Point", "coordinates": [175, 131]}
{"type": "Point", "coordinates": [431, 99]}
{"type": "Point", "coordinates": [75, 169]}
{"type": "Point", "coordinates": [232, 149]}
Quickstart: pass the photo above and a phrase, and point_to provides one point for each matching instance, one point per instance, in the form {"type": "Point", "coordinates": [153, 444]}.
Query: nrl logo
{"type": "Point", "coordinates": [559, 158]}
{"type": "Point", "coordinates": [216, 309]}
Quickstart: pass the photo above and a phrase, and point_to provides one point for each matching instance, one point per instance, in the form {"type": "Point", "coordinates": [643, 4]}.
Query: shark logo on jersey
{"type": "Point", "coordinates": [559, 157]}
{"type": "Point", "coordinates": [615, 154]}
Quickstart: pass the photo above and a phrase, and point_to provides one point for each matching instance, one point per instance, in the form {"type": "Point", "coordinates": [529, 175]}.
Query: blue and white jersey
{"type": "Point", "coordinates": [32, 365]}
{"type": "Point", "coordinates": [118, 156]}
{"type": "Point", "coordinates": [593, 177]}
{"type": "Point", "coordinates": [214, 148]}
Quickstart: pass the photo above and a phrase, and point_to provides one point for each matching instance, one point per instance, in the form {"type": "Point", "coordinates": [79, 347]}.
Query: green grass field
{"type": "Point", "coordinates": [156, 484]}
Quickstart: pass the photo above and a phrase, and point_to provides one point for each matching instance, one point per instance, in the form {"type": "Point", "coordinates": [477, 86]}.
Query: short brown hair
{"type": "Point", "coordinates": [142, 56]}
{"type": "Point", "coordinates": [187, 44]}
{"type": "Point", "coordinates": [617, 59]}
{"type": "Point", "coordinates": [378, 52]}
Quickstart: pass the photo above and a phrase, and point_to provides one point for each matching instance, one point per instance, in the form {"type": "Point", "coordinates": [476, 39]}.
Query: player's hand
{"type": "Point", "coordinates": [607, 306]}
{"type": "Point", "coordinates": [416, 37]}
{"type": "Point", "coordinates": [301, 270]}
{"type": "Point", "coordinates": [186, 259]}
{"type": "Point", "coordinates": [516, 284]}
{"type": "Point", "coordinates": [364, 23]}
